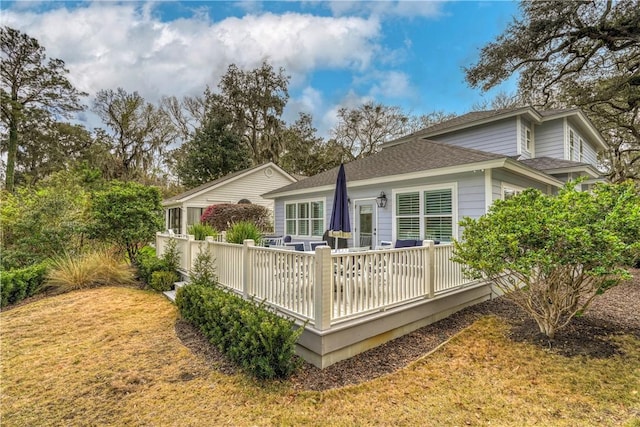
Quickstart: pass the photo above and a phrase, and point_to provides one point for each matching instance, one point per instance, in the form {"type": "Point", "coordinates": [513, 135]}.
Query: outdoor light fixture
{"type": "Point", "coordinates": [381, 200]}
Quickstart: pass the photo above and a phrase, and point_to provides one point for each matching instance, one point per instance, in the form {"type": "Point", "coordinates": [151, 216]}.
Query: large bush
{"type": "Point", "coordinates": [40, 222]}
{"type": "Point", "coordinates": [258, 340]}
{"type": "Point", "coordinates": [552, 255]}
{"type": "Point", "coordinates": [223, 216]}
{"type": "Point", "coordinates": [18, 284]}
{"type": "Point", "coordinates": [126, 214]}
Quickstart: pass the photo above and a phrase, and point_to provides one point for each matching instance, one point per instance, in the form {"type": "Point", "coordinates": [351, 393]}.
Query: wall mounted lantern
{"type": "Point", "coordinates": [381, 200]}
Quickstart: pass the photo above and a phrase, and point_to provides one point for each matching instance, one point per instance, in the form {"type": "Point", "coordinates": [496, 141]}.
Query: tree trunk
{"type": "Point", "coordinates": [12, 150]}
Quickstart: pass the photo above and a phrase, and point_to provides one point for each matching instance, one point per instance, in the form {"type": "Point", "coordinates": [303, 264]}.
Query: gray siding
{"type": "Point", "coordinates": [470, 200]}
{"type": "Point", "coordinates": [498, 137]}
{"type": "Point", "coordinates": [503, 176]}
{"type": "Point", "coordinates": [589, 154]}
{"type": "Point", "coordinates": [550, 139]}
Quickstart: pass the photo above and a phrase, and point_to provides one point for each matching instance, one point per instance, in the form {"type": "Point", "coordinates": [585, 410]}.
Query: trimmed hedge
{"type": "Point", "coordinates": [16, 285]}
{"type": "Point", "coordinates": [258, 340]}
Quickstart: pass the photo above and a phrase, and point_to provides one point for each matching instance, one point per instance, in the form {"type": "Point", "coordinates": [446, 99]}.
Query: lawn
{"type": "Point", "coordinates": [110, 356]}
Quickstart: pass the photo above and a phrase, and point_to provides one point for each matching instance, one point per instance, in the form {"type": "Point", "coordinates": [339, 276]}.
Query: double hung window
{"type": "Point", "coordinates": [304, 218]}
{"type": "Point", "coordinates": [425, 214]}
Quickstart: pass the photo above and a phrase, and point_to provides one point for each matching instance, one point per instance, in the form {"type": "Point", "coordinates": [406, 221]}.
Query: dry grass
{"type": "Point", "coordinates": [98, 268]}
{"type": "Point", "coordinates": [110, 356]}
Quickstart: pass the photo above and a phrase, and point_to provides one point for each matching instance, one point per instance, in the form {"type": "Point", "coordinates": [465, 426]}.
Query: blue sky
{"type": "Point", "coordinates": [408, 54]}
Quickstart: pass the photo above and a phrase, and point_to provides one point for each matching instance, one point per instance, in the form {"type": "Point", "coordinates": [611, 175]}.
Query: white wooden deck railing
{"type": "Point", "coordinates": [326, 288]}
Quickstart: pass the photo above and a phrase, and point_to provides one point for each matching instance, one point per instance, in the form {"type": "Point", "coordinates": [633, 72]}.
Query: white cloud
{"type": "Point", "coordinates": [110, 45]}
{"type": "Point", "coordinates": [391, 84]}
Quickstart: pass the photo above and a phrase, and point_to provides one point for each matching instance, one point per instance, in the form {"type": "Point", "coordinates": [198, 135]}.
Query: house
{"type": "Point", "coordinates": [247, 185]}
{"type": "Point", "coordinates": [419, 186]}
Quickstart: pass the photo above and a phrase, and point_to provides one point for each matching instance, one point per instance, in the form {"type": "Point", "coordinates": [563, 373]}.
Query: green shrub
{"type": "Point", "coordinates": [163, 280]}
{"type": "Point", "coordinates": [93, 269]}
{"type": "Point", "coordinates": [203, 270]}
{"type": "Point", "coordinates": [258, 340]}
{"type": "Point", "coordinates": [201, 231]}
{"type": "Point", "coordinates": [147, 263]}
{"type": "Point", "coordinates": [171, 256]}
{"type": "Point", "coordinates": [18, 284]}
{"type": "Point", "coordinates": [223, 216]}
{"type": "Point", "coordinates": [243, 230]}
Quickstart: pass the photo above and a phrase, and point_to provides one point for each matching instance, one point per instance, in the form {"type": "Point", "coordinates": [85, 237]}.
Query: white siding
{"type": "Point", "coordinates": [250, 187]}
{"type": "Point", "coordinates": [550, 139]}
{"type": "Point", "coordinates": [498, 137]}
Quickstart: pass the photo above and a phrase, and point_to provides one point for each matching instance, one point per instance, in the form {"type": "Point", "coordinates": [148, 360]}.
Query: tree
{"type": "Point", "coordinates": [362, 130]}
{"type": "Point", "coordinates": [304, 152]}
{"type": "Point", "coordinates": [417, 123]}
{"type": "Point", "coordinates": [49, 146]}
{"type": "Point", "coordinates": [584, 54]}
{"type": "Point", "coordinates": [30, 83]}
{"type": "Point", "coordinates": [214, 152]}
{"type": "Point", "coordinates": [255, 99]}
{"type": "Point", "coordinates": [45, 220]}
{"type": "Point", "coordinates": [126, 214]}
{"type": "Point", "coordinates": [141, 132]}
{"type": "Point", "coordinates": [552, 255]}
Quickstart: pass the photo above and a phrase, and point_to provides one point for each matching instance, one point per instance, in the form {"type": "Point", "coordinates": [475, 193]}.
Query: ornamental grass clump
{"type": "Point", "coordinates": [243, 230]}
{"type": "Point", "coordinates": [201, 231]}
{"type": "Point", "coordinates": [98, 268]}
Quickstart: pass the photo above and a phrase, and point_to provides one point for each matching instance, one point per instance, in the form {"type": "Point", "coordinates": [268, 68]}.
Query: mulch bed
{"type": "Point", "coordinates": [615, 312]}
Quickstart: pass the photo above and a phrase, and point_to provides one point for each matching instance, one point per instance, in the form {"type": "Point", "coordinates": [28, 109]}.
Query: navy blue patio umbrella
{"type": "Point", "coordinates": [339, 226]}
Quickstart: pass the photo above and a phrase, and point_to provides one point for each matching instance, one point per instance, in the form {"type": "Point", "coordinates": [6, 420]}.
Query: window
{"type": "Point", "coordinates": [174, 221]}
{"type": "Point", "coordinates": [581, 149]}
{"type": "Point", "coordinates": [510, 190]}
{"type": "Point", "coordinates": [425, 214]}
{"type": "Point", "coordinates": [193, 215]}
{"type": "Point", "coordinates": [527, 139]}
{"type": "Point", "coordinates": [572, 144]}
{"type": "Point", "coordinates": [304, 218]}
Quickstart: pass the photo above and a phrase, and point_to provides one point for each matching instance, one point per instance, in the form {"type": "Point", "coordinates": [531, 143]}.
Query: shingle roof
{"type": "Point", "coordinates": [549, 163]}
{"type": "Point", "coordinates": [412, 156]}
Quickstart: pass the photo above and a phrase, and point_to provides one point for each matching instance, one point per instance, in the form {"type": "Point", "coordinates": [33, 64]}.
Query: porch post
{"type": "Point", "coordinates": [188, 259]}
{"type": "Point", "coordinates": [322, 293]}
{"type": "Point", "coordinates": [247, 280]}
{"type": "Point", "coordinates": [429, 266]}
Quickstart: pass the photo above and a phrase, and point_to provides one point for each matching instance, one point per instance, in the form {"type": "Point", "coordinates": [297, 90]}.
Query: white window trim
{"type": "Point", "coordinates": [505, 185]}
{"type": "Point", "coordinates": [453, 186]}
{"type": "Point", "coordinates": [531, 148]}
{"type": "Point", "coordinates": [296, 202]}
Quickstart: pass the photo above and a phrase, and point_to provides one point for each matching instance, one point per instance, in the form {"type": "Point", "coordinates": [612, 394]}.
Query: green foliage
{"type": "Point", "coordinates": [243, 230]}
{"type": "Point", "coordinates": [30, 86]}
{"type": "Point", "coordinates": [214, 152]}
{"type": "Point", "coordinates": [203, 270]}
{"type": "Point", "coordinates": [18, 284]}
{"type": "Point", "coordinates": [258, 340]}
{"type": "Point", "coordinates": [99, 268]}
{"type": "Point", "coordinates": [162, 280]}
{"type": "Point", "coordinates": [561, 250]}
{"type": "Point", "coordinates": [42, 221]}
{"type": "Point", "coordinates": [223, 216]}
{"type": "Point", "coordinates": [147, 263]}
{"type": "Point", "coordinates": [127, 214]}
{"type": "Point", "coordinates": [201, 231]}
{"type": "Point", "coordinates": [171, 256]}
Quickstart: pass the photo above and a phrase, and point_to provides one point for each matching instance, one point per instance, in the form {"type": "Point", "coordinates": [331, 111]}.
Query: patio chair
{"type": "Point", "coordinates": [314, 245]}
{"type": "Point", "coordinates": [298, 246]}
{"type": "Point", "coordinates": [407, 243]}
{"type": "Point", "coordinates": [331, 241]}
